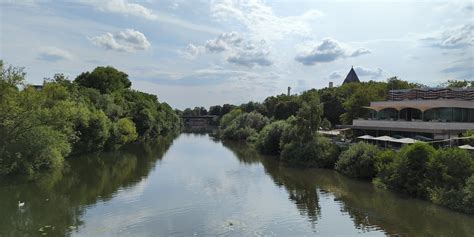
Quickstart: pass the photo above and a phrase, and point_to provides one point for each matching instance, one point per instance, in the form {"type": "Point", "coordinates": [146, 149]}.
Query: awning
{"type": "Point", "coordinates": [366, 137]}
{"type": "Point", "coordinates": [406, 140]}
{"type": "Point", "coordinates": [385, 139]}
{"type": "Point", "coordinates": [466, 147]}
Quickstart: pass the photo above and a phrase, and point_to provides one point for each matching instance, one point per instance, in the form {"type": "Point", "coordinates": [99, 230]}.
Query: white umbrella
{"type": "Point", "coordinates": [385, 139]}
{"type": "Point", "coordinates": [367, 137]}
{"type": "Point", "coordinates": [467, 147]}
{"type": "Point", "coordinates": [406, 140]}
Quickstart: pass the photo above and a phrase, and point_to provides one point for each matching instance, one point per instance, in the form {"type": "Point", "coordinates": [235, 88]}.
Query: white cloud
{"type": "Point", "coordinates": [327, 50]}
{"type": "Point", "coordinates": [360, 51]}
{"type": "Point", "coordinates": [454, 38]}
{"type": "Point", "coordinates": [250, 57]}
{"type": "Point", "coordinates": [235, 49]}
{"type": "Point", "coordinates": [125, 41]}
{"type": "Point", "coordinates": [192, 51]}
{"type": "Point", "coordinates": [54, 54]}
{"type": "Point", "coordinates": [224, 41]}
{"type": "Point", "coordinates": [373, 73]}
{"type": "Point", "coordinates": [123, 7]}
{"type": "Point", "coordinates": [126, 8]}
{"type": "Point", "coordinates": [260, 19]}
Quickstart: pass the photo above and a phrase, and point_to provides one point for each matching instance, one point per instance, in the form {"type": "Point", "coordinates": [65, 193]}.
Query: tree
{"type": "Point", "coordinates": [358, 161]}
{"type": "Point", "coordinates": [105, 79]}
{"type": "Point", "coordinates": [268, 141]}
{"type": "Point", "coordinates": [11, 76]}
{"type": "Point", "coordinates": [408, 172]}
{"type": "Point", "coordinates": [308, 118]}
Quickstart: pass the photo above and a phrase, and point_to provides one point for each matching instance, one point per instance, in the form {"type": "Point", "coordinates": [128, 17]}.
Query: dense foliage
{"type": "Point", "coordinates": [40, 126]}
{"type": "Point", "coordinates": [287, 126]}
{"type": "Point", "coordinates": [358, 161]}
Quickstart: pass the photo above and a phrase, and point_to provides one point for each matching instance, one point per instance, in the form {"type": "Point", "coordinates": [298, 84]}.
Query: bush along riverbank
{"type": "Point", "coordinates": [442, 176]}
{"type": "Point", "coordinates": [41, 125]}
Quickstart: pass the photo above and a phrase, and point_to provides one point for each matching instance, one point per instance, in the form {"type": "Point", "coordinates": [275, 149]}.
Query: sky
{"type": "Point", "coordinates": [201, 53]}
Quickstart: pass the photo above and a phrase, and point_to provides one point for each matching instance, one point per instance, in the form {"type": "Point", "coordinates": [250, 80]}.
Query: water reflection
{"type": "Point", "coordinates": [55, 202]}
{"type": "Point", "coordinates": [203, 186]}
{"type": "Point", "coordinates": [370, 208]}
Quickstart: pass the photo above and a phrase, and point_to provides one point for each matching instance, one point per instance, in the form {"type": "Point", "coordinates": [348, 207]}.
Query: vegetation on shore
{"type": "Point", "coordinates": [97, 111]}
{"type": "Point", "coordinates": [286, 126]}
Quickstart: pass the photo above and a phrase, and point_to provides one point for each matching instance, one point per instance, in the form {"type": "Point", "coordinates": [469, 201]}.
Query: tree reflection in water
{"type": "Point", "coordinates": [55, 202]}
{"type": "Point", "coordinates": [368, 207]}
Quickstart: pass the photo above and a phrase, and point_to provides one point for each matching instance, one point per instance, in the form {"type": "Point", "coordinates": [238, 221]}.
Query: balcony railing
{"type": "Point", "coordinates": [413, 125]}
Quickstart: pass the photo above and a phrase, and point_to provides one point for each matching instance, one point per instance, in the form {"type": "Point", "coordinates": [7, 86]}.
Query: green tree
{"type": "Point", "coordinates": [408, 172]}
{"type": "Point", "coordinates": [308, 118]}
{"type": "Point", "coordinates": [358, 161]}
{"type": "Point", "coordinates": [268, 141]}
{"type": "Point", "coordinates": [105, 79]}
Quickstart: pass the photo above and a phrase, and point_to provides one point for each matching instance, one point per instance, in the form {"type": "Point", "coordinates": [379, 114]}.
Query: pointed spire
{"type": "Point", "coordinates": [351, 77]}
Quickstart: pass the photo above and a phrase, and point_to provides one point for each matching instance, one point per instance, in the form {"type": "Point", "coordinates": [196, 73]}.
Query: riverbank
{"type": "Point", "coordinates": [41, 125]}
{"type": "Point", "coordinates": [442, 176]}
{"type": "Point", "coordinates": [197, 185]}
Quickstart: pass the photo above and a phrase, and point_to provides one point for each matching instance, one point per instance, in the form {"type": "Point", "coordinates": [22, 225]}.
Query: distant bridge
{"type": "Point", "coordinates": [199, 121]}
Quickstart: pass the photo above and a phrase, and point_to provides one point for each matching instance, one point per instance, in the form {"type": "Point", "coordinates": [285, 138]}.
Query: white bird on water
{"type": "Point", "coordinates": [21, 204]}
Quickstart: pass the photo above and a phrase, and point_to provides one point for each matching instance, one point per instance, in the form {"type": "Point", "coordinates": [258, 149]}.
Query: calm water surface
{"type": "Point", "coordinates": [196, 186]}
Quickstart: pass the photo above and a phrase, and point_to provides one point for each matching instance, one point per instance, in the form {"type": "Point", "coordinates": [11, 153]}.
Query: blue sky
{"type": "Point", "coordinates": [201, 53]}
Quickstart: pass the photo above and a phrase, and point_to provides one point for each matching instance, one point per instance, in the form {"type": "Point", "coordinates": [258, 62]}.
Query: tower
{"type": "Point", "coordinates": [289, 89]}
{"type": "Point", "coordinates": [351, 77]}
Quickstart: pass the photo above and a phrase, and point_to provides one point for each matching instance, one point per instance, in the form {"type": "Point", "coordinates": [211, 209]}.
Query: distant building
{"type": "Point", "coordinates": [37, 87]}
{"type": "Point", "coordinates": [331, 84]}
{"type": "Point", "coordinates": [351, 77]}
{"type": "Point", "coordinates": [433, 113]}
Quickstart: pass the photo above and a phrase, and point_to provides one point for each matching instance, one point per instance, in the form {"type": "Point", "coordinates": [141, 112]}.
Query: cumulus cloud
{"type": "Point", "coordinates": [124, 41]}
{"type": "Point", "coordinates": [327, 51]}
{"type": "Point", "coordinates": [260, 19]}
{"type": "Point", "coordinates": [360, 51]}
{"type": "Point", "coordinates": [192, 51]}
{"type": "Point", "coordinates": [454, 38]}
{"type": "Point", "coordinates": [235, 49]}
{"type": "Point", "coordinates": [224, 41]}
{"type": "Point", "coordinates": [373, 73]}
{"type": "Point", "coordinates": [123, 7]}
{"type": "Point", "coordinates": [53, 54]}
{"type": "Point", "coordinates": [250, 57]}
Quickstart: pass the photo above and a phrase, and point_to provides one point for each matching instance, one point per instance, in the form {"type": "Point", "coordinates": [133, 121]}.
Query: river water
{"type": "Point", "coordinates": [197, 186]}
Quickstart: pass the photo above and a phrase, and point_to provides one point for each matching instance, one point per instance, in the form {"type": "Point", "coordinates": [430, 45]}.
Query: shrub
{"type": "Point", "coordinates": [407, 173]}
{"type": "Point", "coordinates": [243, 125]}
{"type": "Point", "coordinates": [268, 140]}
{"type": "Point", "coordinates": [93, 132]}
{"type": "Point", "coordinates": [450, 168]}
{"type": "Point", "coordinates": [358, 161]}
{"type": "Point", "coordinates": [318, 152]}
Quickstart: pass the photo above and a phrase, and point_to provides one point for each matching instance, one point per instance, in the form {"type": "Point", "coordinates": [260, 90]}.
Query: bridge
{"type": "Point", "coordinates": [199, 121]}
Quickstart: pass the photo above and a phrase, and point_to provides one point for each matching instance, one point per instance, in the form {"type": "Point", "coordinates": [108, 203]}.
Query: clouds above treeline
{"type": "Point", "coordinates": [459, 37]}
{"type": "Point", "coordinates": [328, 50]}
{"type": "Point", "coordinates": [54, 54]}
{"type": "Point", "coordinates": [128, 40]}
{"type": "Point", "coordinates": [232, 47]}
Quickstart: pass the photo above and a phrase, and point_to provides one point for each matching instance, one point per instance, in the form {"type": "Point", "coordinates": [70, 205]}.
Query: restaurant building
{"type": "Point", "coordinates": [426, 113]}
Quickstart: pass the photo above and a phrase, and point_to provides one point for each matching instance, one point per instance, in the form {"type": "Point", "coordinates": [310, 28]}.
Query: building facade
{"type": "Point", "coordinates": [431, 113]}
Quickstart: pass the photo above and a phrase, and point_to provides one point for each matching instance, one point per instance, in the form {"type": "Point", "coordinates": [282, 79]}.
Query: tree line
{"type": "Point", "coordinates": [41, 125]}
{"type": "Point", "coordinates": [286, 126]}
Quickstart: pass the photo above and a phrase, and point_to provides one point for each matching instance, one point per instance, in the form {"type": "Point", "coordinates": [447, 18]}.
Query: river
{"type": "Point", "coordinates": [195, 185]}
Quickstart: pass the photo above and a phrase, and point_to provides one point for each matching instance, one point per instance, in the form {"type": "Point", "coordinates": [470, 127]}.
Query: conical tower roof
{"type": "Point", "coordinates": [351, 77]}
